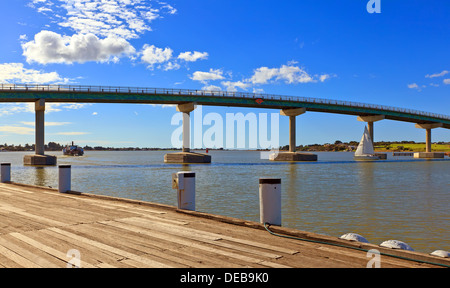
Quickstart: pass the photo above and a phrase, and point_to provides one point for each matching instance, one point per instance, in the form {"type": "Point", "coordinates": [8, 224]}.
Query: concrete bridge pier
{"type": "Point", "coordinates": [428, 152]}
{"type": "Point", "coordinates": [370, 120]}
{"type": "Point", "coordinates": [186, 156]}
{"type": "Point", "coordinates": [39, 158]}
{"type": "Point", "coordinates": [292, 155]}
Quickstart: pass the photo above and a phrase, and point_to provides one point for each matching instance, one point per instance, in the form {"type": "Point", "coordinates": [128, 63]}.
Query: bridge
{"type": "Point", "coordinates": [186, 100]}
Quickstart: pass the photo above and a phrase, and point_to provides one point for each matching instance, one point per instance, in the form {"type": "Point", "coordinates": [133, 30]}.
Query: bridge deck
{"type": "Point", "coordinates": [107, 94]}
{"type": "Point", "coordinates": [39, 226]}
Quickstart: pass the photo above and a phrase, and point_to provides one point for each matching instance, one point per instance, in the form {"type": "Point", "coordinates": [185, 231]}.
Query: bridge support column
{"type": "Point", "coordinates": [186, 156]}
{"type": "Point", "coordinates": [292, 155]}
{"type": "Point", "coordinates": [428, 152]}
{"type": "Point", "coordinates": [39, 158]}
{"type": "Point", "coordinates": [370, 120]}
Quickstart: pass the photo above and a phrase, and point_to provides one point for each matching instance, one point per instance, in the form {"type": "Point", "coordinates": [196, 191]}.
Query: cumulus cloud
{"type": "Point", "coordinates": [213, 74]}
{"type": "Point", "coordinates": [16, 73]}
{"type": "Point", "coordinates": [102, 30]}
{"type": "Point", "coordinates": [232, 86]}
{"type": "Point", "coordinates": [126, 19]}
{"type": "Point", "coordinates": [290, 74]}
{"type": "Point", "coordinates": [50, 47]}
{"type": "Point", "coordinates": [153, 55]}
{"type": "Point", "coordinates": [193, 56]}
{"type": "Point", "coordinates": [446, 81]}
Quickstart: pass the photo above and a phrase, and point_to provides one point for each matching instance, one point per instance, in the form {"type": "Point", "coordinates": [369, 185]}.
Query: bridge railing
{"type": "Point", "coordinates": [191, 92]}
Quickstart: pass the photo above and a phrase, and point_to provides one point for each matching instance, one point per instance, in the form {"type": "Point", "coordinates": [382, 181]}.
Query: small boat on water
{"type": "Point", "coordinates": [365, 150]}
{"type": "Point", "coordinates": [73, 150]}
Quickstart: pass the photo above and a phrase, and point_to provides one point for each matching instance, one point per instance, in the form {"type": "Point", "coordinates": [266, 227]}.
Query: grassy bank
{"type": "Point", "coordinates": [411, 147]}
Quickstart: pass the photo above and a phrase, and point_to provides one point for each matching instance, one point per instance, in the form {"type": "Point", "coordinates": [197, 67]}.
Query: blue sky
{"type": "Point", "coordinates": [313, 48]}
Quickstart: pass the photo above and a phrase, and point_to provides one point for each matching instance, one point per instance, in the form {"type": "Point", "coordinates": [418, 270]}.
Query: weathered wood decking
{"type": "Point", "coordinates": [38, 226]}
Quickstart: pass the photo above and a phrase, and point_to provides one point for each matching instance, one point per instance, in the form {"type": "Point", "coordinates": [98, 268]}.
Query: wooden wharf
{"type": "Point", "coordinates": [40, 227]}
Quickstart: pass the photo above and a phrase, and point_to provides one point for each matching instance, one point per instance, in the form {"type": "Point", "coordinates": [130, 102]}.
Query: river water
{"type": "Point", "coordinates": [400, 198]}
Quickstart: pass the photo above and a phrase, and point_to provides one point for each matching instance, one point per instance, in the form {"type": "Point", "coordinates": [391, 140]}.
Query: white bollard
{"type": "Point", "coordinates": [184, 183]}
{"type": "Point", "coordinates": [64, 178]}
{"type": "Point", "coordinates": [270, 201]}
{"type": "Point", "coordinates": [5, 172]}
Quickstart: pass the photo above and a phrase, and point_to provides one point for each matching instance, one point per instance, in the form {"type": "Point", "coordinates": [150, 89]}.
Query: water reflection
{"type": "Point", "coordinates": [40, 176]}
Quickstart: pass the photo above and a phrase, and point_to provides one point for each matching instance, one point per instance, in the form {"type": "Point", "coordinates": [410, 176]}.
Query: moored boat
{"type": "Point", "coordinates": [73, 150]}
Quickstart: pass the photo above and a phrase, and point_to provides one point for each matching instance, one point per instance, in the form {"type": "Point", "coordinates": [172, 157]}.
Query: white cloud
{"type": "Point", "coordinates": [126, 19]}
{"type": "Point", "coordinates": [262, 75]}
{"type": "Point", "coordinates": [231, 86]}
{"type": "Point", "coordinates": [14, 108]}
{"type": "Point", "coordinates": [44, 9]}
{"type": "Point", "coordinates": [414, 86]}
{"type": "Point", "coordinates": [446, 81]}
{"type": "Point", "coordinates": [193, 56]}
{"type": "Point", "coordinates": [72, 133]}
{"type": "Point", "coordinates": [289, 73]}
{"type": "Point", "coordinates": [325, 77]}
{"type": "Point", "coordinates": [16, 73]}
{"type": "Point", "coordinates": [258, 90]}
{"type": "Point", "coordinates": [153, 55]}
{"type": "Point", "coordinates": [211, 88]}
{"type": "Point", "coordinates": [213, 74]}
{"type": "Point", "coordinates": [171, 66]}
{"type": "Point", "coordinates": [443, 73]}
{"type": "Point", "coordinates": [17, 130]}
{"type": "Point", "coordinates": [47, 123]}
{"type": "Point", "coordinates": [50, 47]}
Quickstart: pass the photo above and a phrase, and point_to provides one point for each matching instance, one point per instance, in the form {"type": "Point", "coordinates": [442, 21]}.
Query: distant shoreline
{"type": "Point", "coordinates": [338, 146]}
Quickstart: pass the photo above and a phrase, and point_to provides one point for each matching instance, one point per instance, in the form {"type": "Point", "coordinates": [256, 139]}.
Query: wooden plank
{"type": "Point", "coordinates": [188, 232]}
{"type": "Point", "coordinates": [20, 260]}
{"type": "Point", "coordinates": [89, 253]}
{"type": "Point", "coordinates": [190, 243]}
{"type": "Point", "coordinates": [348, 255]}
{"type": "Point", "coordinates": [103, 203]}
{"type": "Point", "coordinates": [8, 263]}
{"type": "Point", "coordinates": [181, 253]}
{"type": "Point", "coordinates": [58, 254]}
{"type": "Point", "coordinates": [201, 236]}
{"type": "Point", "coordinates": [263, 238]}
{"type": "Point", "coordinates": [115, 250]}
{"type": "Point", "coordinates": [32, 216]}
{"type": "Point", "coordinates": [171, 229]}
{"type": "Point", "coordinates": [135, 244]}
{"type": "Point", "coordinates": [31, 256]}
{"type": "Point", "coordinates": [11, 222]}
{"type": "Point", "coordinates": [9, 187]}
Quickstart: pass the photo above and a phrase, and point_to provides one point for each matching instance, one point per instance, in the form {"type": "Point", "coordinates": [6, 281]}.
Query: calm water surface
{"type": "Point", "coordinates": [400, 198]}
